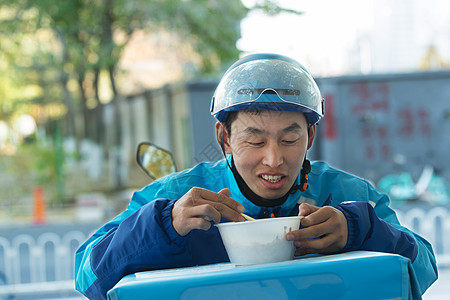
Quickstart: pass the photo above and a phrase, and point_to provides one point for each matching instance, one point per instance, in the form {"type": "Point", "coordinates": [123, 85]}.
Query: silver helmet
{"type": "Point", "coordinates": [267, 82]}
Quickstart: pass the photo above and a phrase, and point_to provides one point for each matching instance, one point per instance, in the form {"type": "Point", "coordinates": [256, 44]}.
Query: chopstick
{"type": "Point", "coordinates": [248, 218]}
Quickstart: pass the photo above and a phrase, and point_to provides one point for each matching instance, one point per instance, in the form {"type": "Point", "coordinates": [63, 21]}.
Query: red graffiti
{"type": "Point", "coordinates": [370, 153]}
{"type": "Point", "coordinates": [370, 97]}
{"type": "Point", "coordinates": [424, 121]}
{"type": "Point", "coordinates": [413, 121]}
{"type": "Point", "coordinates": [330, 122]}
{"type": "Point", "coordinates": [406, 120]}
{"type": "Point", "coordinates": [382, 132]}
{"type": "Point", "coordinates": [366, 132]}
{"type": "Point", "coordinates": [376, 141]}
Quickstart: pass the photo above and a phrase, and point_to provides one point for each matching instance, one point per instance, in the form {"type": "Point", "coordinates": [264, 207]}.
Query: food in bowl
{"type": "Point", "coordinates": [260, 241]}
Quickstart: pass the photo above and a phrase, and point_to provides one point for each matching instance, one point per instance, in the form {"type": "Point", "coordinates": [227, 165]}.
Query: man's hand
{"type": "Point", "coordinates": [199, 206]}
{"type": "Point", "coordinates": [325, 230]}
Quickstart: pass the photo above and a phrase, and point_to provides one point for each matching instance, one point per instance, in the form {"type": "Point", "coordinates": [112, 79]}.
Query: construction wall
{"type": "Point", "coordinates": [374, 125]}
{"type": "Point", "coordinates": [381, 124]}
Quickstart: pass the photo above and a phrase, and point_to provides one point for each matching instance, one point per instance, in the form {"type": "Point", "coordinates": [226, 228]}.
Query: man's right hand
{"type": "Point", "coordinates": [198, 206]}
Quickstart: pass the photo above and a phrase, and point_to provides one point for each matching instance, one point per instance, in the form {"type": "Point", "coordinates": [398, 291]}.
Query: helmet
{"type": "Point", "coordinates": [267, 82]}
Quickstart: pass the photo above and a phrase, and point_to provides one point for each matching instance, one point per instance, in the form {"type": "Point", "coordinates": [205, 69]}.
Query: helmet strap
{"type": "Point", "coordinates": [306, 168]}
{"type": "Point", "coordinates": [222, 146]}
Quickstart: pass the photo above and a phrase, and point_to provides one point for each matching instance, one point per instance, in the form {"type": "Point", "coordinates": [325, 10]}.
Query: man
{"type": "Point", "coordinates": [267, 106]}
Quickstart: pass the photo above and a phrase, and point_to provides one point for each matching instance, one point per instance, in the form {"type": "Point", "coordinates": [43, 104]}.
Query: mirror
{"type": "Point", "coordinates": [155, 161]}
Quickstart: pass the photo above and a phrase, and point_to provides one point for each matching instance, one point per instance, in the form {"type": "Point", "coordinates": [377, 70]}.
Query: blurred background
{"type": "Point", "coordinates": [83, 82]}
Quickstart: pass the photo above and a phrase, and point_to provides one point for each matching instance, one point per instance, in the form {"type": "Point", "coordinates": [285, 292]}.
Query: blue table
{"type": "Point", "coordinates": [352, 275]}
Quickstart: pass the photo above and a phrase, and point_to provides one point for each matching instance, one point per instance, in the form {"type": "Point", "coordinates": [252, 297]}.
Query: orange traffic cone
{"type": "Point", "coordinates": [39, 216]}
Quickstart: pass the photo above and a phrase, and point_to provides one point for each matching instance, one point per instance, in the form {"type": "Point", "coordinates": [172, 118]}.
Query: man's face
{"type": "Point", "coordinates": [268, 148]}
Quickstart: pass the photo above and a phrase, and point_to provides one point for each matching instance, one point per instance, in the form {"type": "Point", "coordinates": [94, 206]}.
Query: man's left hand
{"type": "Point", "coordinates": [325, 230]}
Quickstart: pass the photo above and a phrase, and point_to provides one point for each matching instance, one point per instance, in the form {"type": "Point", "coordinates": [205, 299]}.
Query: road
{"type": "Point", "coordinates": [440, 290]}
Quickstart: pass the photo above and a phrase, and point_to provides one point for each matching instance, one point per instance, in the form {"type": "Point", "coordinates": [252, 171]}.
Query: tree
{"type": "Point", "coordinates": [86, 31]}
{"type": "Point", "coordinates": [62, 49]}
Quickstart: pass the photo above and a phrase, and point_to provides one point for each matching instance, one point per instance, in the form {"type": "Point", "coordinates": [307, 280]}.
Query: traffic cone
{"type": "Point", "coordinates": [39, 216]}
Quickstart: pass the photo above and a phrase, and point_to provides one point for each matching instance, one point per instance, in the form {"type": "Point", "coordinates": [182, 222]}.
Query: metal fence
{"type": "Point", "coordinates": [432, 223]}
{"type": "Point", "coordinates": [42, 264]}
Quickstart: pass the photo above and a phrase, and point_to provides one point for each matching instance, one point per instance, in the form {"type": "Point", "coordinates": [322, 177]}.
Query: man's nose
{"type": "Point", "coordinates": [273, 156]}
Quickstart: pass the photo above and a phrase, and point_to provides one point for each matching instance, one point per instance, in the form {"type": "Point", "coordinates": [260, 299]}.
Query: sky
{"type": "Point", "coordinates": [331, 35]}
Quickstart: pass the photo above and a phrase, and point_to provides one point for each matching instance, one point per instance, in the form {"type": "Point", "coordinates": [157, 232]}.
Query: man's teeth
{"type": "Point", "coordinates": [270, 178]}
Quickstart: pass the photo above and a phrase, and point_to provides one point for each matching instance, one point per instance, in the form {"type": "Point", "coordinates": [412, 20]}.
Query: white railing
{"type": "Point", "coordinates": [432, 223]}
{"type": "Point", "coordinates": [42, 264]}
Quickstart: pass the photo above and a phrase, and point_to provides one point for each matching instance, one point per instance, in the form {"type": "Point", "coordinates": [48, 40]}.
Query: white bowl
{"type": "Point", "coordinates": [260, 241]}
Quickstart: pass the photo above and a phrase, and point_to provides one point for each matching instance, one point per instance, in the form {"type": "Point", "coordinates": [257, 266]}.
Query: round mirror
{"type": "Point", "coordinates": [155, 161]}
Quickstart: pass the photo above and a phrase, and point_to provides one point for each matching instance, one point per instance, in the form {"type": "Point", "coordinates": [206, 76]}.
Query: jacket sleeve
{"type": "Point", "coordinates": [144, 240]}
{"type": "Point", "coordinates": [366, 231]}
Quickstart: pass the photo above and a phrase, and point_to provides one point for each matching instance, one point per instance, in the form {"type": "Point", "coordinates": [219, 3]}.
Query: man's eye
{"type": "Point", "coordinates": [289, 142]}
{"type": "Point", "coordinates": [256, 143]}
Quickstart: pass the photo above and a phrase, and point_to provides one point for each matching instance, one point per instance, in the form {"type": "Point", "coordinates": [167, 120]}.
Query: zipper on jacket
{"type": "Point", "coordinates": [269, 212]}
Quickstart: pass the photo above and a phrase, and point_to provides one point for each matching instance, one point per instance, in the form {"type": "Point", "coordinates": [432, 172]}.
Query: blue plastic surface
{"type": "Point", "coordinates": [353, 275]}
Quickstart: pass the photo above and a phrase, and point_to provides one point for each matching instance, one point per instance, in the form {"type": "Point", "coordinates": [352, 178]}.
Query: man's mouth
{"type": "Point", "coordinates": [272, 178]}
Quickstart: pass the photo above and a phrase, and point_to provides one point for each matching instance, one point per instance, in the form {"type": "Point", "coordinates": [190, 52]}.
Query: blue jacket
{"type": "Point", "coordinates": [143, 238]}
